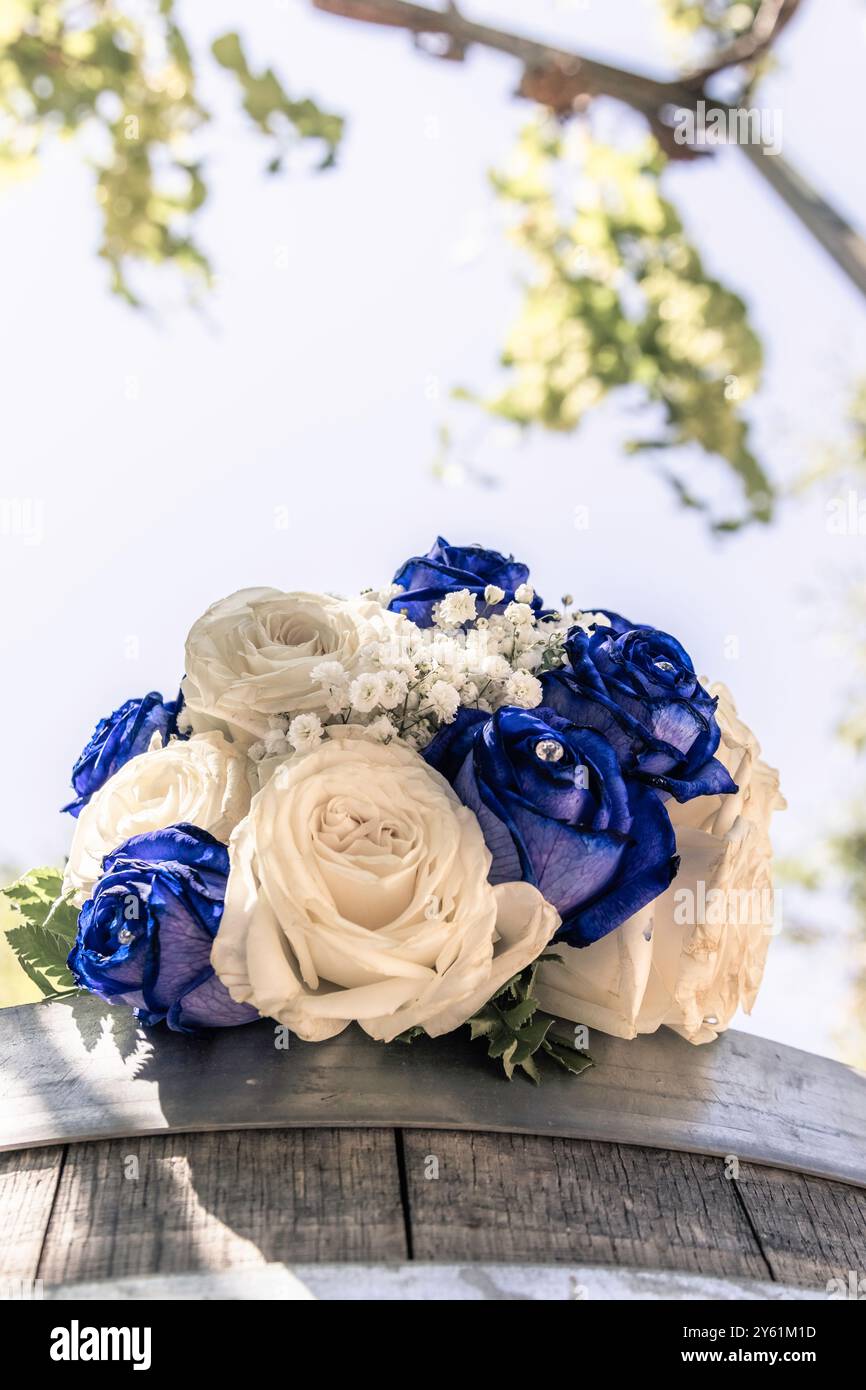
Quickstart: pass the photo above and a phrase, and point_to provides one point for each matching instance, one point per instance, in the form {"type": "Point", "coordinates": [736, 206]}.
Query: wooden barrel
{"type": "Point", "coordinates": [153, 1165]}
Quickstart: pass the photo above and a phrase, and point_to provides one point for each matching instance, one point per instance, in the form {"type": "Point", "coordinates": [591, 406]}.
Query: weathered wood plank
{"type": "Point", "coordinates": [61, 1081]}
{"type": "Point", "coordinates": [241, 1200]}
{"type": "Point", "coordinates": [229, 1200]}
{"type": "Point", "coordinates": [810, 1230]}
{"type": "Point", "coordinates": [28, 1185]}
{"type": "Point", "coordinates": [533, 1199]}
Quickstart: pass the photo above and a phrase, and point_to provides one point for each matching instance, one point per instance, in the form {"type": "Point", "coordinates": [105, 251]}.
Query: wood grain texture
{"type": "Point", "coordinates": [810, 1230]}
{"type": "Point", "coordinates": [65, 1076]}
{"type": "Point", "coordinates": [525, 1198]}
{"type": "Point", "coordinates": [217, 1201]}
{"type": "Point", "coordinates": [28, 1187]}
{"type": "Point", "coordinates": [243, 1200]}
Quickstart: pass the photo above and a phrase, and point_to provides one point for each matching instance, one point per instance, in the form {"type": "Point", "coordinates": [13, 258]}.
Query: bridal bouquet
{"type": "Point", "coordinates": [436, 804]}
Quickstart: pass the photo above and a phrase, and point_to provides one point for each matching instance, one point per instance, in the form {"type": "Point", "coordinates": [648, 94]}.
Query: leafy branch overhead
{"type": "Point", "coordinates": [123, 80]}
{"type": "Point", "coordinates": [273, 112]}
{"type": "Point", "coordinates": [128, 87]}
{"type": "Point", "coordinates": [618, 297]}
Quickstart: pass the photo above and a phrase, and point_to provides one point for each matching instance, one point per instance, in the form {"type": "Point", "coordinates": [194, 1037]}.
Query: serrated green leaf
{"type": "Point", "coordinates": [507, 1059]}
{"type": "Point", "coordinates": [45, 930]}
{"type": "Point", "coordinates": [521, 1052]}
{"type": "Point", "coordinates": [520, 1013]}
{"type": "Point", "coordinates": [507, 988]}
{"type": "Point", "coordinates": [533, 1034]}
{"type": "Point", "coordinates": [35, 892]}
{"type": "Point", "coordinates": [481, 1027]}
{"type": "Point", "coordinates": [409, 1035]}
{"type": "Point", "coordinates": [36, 896]}
{"type": "Point", "coordinates": [500, 1041]}
{"type": "Point", "coordinates": [41, 951]}
{"type": "Point", "coordinates": [574, 1062]}
{"type": "Point", "coordinates": [517, 1034]}
{"type": "Point", "coordinates": [63, 919]}
{"type": "Point", "coordinates": [528, 1065]}
{"type": "Point", "coordinates": [43, 984]}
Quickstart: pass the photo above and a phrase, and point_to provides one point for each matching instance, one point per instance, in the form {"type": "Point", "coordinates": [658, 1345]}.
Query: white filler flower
{"type": "Point", "coordinates": [358, 891]}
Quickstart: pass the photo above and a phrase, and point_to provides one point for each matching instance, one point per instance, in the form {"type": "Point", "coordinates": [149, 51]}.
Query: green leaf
{"type": "Point", "coordinates": [516, 1032]}
{"type": "Point", "coordinates": [42, 956]}
{"type": "Point", "coordinates": [484, 1023]}
{"type": "Point", "coordinates": [36, 892]}
{"type": "Point", "coordinates": [57, 71]}
{"type": "Point", "coordinates": [528, 1065]}
{"type": "Point", "coordinates": [229, 53]}
{"type": "Point", "coordinates": [617, 297]}
{"type": "Point", "coordinates": [501, 1043]}
{"type": "Point", "coordinates": [573, 1061]}
{"type": "Point", "coordinates": [270, 107]}
{"type": "Point", "coordinates": [507, 1058]}
{"type": "Point", "coordinates": [520, 1013]}
{"type": "Point", "coordinates": [409, 1035]}
{"type": "Point", "coordinates": [533, 1034]}
{"type": "Point", "coordinates": [45, 930]}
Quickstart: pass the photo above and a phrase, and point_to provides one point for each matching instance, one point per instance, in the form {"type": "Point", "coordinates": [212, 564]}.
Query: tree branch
{"type": "Point", "coordinates": [771, 19]}
{"type": "Point", "coordinates": [567, 81]}
{"type": "Point", "coordinates": [575, 76]}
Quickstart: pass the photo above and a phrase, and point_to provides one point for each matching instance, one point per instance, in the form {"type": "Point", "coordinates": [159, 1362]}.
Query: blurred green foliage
{"type": "Point", "coordinates": [273, 112]}
{"type": "Point", "coordinates": [120, 78]}
{"type": "Point", "coordinates": [707, 24]}
{"type": "Point", "coordinates": [68, 70]}
{"type": "Point", "coordinates": [618, 297]}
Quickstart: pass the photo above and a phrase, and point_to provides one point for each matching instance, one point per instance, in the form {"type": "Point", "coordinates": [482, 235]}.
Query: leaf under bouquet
{"type": "Point", "coordinates": [436, 804]}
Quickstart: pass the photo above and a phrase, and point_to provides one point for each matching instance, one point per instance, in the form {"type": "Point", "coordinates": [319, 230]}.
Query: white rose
{"type": "Point", "coordinates": [358, 890]}
{"type": "Point", "coordinates": [252, 655]}
{"type": "Point", "coordinates": [202, 780]}
{"type": "Point", "coordinates": [691, 975]}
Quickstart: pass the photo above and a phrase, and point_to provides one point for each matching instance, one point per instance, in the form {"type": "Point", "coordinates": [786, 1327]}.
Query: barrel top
{"type": "Point", "coordinates": [78, 1071]}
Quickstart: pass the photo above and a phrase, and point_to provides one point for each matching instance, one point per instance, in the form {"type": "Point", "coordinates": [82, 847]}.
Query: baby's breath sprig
{"type": "Point", "coordinates": [480, 653]}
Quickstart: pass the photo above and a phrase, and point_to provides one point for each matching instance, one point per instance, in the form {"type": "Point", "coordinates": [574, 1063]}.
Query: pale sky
{"type": "Point", "coordinates": [162, 452]}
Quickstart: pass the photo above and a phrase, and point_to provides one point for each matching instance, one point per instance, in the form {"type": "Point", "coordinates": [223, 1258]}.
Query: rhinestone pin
{"type": "Point", "coordinates": [124, 936]}
{"type": "Point", "coordinates": [548, 750]}
{"type": "Point", "coordinates": [664, 665]}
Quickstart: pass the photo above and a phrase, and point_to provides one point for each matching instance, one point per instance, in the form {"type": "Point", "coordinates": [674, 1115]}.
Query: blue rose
{"type": "Point", "coordinates": [445, 569]}
{"type": "Point", "coordinates": [557, 810]}
{"type": "Point", "coordinates": [144, 938]}
{"type": "Point", "coordinates": [118, 738]}
{"type": "Point", "coordinates": [638, 687]}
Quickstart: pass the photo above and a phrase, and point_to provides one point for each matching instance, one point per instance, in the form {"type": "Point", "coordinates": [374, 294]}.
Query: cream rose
{"type": "Point", "coordinates": [696, 954]}
{"type": "Point", "coordinates": [252, 655]}
{"type": "Point", "coordinates": [358, 891]}
{"type": "Point", "coordinates": [202, 780]}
